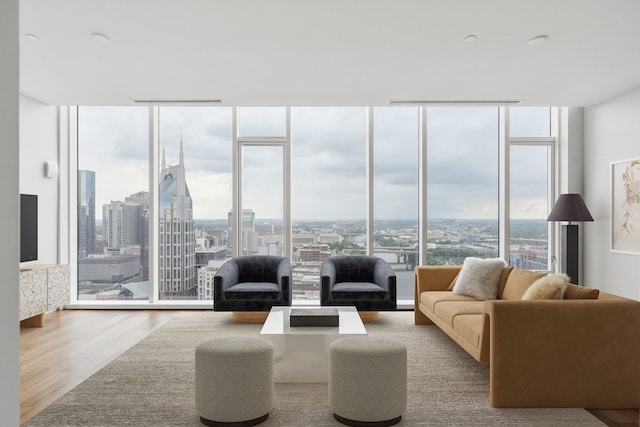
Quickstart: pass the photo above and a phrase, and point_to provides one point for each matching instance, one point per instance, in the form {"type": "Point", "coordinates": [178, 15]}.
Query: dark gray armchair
{"type": "Point", "coordinates": [252, 283]}
{"type": "Point", "coordinates": [367, 282]}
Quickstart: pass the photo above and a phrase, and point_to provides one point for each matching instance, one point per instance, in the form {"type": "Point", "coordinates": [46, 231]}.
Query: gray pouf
{"type": "Point", "coordinates": [367, 381]}
{"type": "Point", "coordinates": [234, 381]}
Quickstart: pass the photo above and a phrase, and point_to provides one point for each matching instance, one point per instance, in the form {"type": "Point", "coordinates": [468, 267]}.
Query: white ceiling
{"type": "Point", "coordinates": [329, 52]}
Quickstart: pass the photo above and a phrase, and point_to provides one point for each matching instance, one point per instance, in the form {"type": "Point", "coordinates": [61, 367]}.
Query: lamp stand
{"type": "Point", "coordinates": [570, 252]}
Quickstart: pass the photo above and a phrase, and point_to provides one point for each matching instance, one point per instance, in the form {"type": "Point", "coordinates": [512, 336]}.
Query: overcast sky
{"type": "Point", "coordinates": [329, 160]}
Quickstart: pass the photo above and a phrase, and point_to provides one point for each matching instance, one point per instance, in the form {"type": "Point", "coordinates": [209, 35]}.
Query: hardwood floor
{"type": "Point", "coordinates": [74, 344]}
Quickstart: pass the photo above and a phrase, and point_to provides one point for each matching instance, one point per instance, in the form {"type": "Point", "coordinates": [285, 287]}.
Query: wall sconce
{"type": "Point", "coordinates": [50, 169]}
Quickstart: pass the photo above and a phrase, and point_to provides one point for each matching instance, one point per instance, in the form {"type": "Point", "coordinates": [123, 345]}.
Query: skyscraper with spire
{"type": "Point", "coordinates": [177, 242]}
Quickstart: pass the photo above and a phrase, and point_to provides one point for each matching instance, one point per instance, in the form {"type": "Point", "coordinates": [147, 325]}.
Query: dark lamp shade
{"type": "Point", "coordinates": [570, 207]}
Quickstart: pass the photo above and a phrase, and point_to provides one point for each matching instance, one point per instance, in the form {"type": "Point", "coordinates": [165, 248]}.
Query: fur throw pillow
{"type": "Point", "coordinates": [551, 286]}
{"type": "Point", "coordinates": [479, 278]}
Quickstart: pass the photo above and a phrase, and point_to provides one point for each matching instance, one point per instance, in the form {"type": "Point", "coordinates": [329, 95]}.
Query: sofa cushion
{"type": "Point", "coordinates": [431, 298]}
{"type": "Point", "coordinates": [518, 282]}
{"type": "Point", "coordinates": [551, 286]}
{"type": "Point", "coordinates": [470, 327]}
{"type": "Point", "coordinates": [479, 278]}
{"type": "Point", "coordinates": [580, 292]}
{"type": "Point", "coordinates": [448, 310]}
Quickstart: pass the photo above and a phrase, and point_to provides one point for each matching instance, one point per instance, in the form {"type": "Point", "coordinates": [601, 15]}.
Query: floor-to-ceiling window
{"type": "Point", "coordinates": [462, 183]}
{"type": "Point", "coordinates": [395, 192]}
{"type": "Point", "coordinates": [113, 203]}
{"type": "Point", "coordinates": [531, 150]}
{"type": "Point", "coordinates": [328, 190]}
{"type": "Point", "coordinates": [194, 198]}
{"type": "Point", "coordinates": [261, 171]}
{"type": "Point", "coordinates": [307, 183]}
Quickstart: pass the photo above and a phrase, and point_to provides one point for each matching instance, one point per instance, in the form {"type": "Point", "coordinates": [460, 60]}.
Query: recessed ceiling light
{"type": "Point", "coordinates": [470, 38]}
{"type": "Point", "coordinates": [32, 36]}
{"type": "Point", "coordinates": [538, 40]}
{"type": "Point", "coordinates": [100, 38]}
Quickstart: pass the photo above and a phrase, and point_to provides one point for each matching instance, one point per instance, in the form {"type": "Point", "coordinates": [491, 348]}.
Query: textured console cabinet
{"type": "Point", "coordinates": [43, 288]}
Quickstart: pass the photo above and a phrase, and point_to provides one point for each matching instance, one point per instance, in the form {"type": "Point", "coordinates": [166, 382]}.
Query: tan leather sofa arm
{"type": "Point", "coordinates": [565, 353]}
{"type": "Point", "coordinates": [431, 278]}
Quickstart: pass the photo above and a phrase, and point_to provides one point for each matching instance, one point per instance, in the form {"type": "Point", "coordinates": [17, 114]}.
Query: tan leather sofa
{"type": "Point", "coordinates": [579, 352]}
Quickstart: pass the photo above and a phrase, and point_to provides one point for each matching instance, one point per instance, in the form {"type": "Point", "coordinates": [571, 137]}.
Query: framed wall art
{"type": "Point", "coordinates": [625, 206]}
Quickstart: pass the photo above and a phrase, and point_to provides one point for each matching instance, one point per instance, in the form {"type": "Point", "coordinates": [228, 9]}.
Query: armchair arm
{"type": "Point", "coordinates": [566, 353]}
{"type": "Point", "coordinates": [285, 278]}
{"type": "Point", "coordinates": [383, 275]}
{"type": "Point", "coordinates": [327, 279]}
{"type": "Point", "coordinates": [227, 275]}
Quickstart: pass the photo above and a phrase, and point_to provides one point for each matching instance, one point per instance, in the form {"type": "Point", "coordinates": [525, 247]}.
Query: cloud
{"type": "Point", "coordinates": [328, 160]}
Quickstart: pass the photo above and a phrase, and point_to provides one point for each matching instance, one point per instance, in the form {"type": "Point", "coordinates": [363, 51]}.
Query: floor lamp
{"type": "Point", "coordinates": [570, 207]}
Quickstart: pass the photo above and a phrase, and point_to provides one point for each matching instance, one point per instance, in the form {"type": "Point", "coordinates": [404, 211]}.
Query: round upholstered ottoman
{"type": "Point", "coordinates": [234, 381]}
{"type": "Point", "coordinates": [367, 381]}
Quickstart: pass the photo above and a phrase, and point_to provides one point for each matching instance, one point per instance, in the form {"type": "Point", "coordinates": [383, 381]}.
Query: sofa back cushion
{"type": "Point", "coordinates": [580, 292]}
{"type": "Point", "coordinates": [517, 283]}
{"type": "Point", "coordinates": [506, 272]}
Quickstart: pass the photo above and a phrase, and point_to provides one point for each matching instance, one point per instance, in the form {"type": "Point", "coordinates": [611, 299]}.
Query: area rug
{"type": "Point", "coordinates": [153, 383]}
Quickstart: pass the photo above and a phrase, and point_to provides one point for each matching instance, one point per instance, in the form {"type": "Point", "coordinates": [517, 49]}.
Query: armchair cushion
{"type": "Point", "coordinates": [258, 290]}
{"type": "Point", "coordinates": [358, 290]}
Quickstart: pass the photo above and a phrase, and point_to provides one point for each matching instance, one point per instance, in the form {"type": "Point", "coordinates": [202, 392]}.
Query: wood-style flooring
{"type": "Point", "coordinates": [74, 344]}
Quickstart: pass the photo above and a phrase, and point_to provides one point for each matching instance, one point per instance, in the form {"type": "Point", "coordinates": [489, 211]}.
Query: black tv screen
{"type": "Point", "coordinates": [28, 227]}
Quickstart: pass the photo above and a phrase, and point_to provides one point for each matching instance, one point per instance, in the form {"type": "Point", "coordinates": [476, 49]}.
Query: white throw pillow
{"type": "Point", "coordinates": [551, 286]}
{"type": "Point", "coordinates": [479, 278]}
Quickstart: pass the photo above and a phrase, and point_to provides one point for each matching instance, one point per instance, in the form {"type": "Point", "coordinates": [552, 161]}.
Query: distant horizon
{"type": "Point", "coordinates": [363, 220]}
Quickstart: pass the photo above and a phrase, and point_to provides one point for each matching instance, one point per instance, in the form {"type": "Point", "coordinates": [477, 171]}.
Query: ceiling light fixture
{"type": "Point", "coordinates": [538, 40]}
{"type": "Point", "coordinates": [480, 102]}
{"type": "Point", "coordinates": [32, 36]}
{"type": "Point", "coordinates": [177, 101]}
{"type": "Point", "coordinates": [470, 38]}
{"type": "Point", "coordinates": [100, 38]}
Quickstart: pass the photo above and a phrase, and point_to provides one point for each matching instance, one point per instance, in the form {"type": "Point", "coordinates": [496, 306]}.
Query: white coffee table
{"type": "Point", "coordinates": [302, 353]}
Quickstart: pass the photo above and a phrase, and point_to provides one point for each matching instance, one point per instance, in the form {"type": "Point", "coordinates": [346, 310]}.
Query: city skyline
{"type": "Point", "coordinates": [328, 190]}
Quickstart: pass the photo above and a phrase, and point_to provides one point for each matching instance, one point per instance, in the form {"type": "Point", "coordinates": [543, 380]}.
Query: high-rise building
{"type": "Point", "coordinates": [125, 227]}
{"type": "Point", "coordinates": [177, 239]}
{"type": "Point", "coordinates": [123, 223]}
{"type": "Point", "coordinates": [205, 279]}
{"type": "Point", "coordinates": [86, 213]}
{"type": "Point", "coordinates": [249, 243]}
{"type": "Point", "coordinates": [141, 198]}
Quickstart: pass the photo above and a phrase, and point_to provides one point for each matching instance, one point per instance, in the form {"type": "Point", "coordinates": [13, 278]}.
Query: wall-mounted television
{"type": "Point", "coordinates": [28, 227]}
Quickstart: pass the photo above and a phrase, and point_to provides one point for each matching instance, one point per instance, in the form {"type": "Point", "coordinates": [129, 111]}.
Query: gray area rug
{"type": "Point", "coordinates": [153, 383]}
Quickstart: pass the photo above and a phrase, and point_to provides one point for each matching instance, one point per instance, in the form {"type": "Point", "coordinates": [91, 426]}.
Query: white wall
{"type": "Point", "coordinates": [38, 144]}
{"type": "Point", "coordinates": [9, 259]}
{"type": "Point", "coordinates": [612, 133]}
